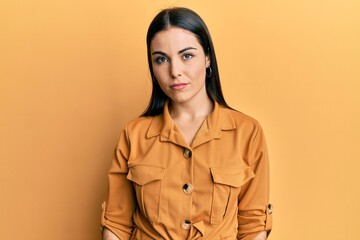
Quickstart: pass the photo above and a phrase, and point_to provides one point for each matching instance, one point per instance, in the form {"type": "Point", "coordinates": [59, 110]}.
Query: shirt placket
{"type": "Point", "coordinates": [187, 189]}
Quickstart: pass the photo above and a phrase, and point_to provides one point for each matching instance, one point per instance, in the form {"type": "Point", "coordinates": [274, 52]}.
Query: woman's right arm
{"type": "Point", "coordinates": [118, 211]}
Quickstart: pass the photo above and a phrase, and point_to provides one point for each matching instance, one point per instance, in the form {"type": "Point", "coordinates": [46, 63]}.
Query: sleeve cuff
{"type": "Point", "coordinates": [269, 220]}
{"type": "Point", "coordinates": [102, 219]}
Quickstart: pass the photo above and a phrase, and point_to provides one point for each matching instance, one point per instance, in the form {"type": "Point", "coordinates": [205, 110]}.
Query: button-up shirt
{"type": "Point", "coordinates": [216, 188]}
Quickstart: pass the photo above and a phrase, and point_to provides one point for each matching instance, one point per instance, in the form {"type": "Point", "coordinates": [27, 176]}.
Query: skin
{"type": "Point", "coordinates": [261, 236]}
{"type": "Point", "coordinates": [108, 235]}
{"type": "Point", "coordinates": [179, 64]}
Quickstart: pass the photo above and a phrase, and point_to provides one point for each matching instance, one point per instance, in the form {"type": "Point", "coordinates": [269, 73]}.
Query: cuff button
{"type": "Point", "coordinates": [270, 208]}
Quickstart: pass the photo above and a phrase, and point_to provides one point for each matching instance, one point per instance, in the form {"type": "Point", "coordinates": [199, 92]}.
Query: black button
{"type": "Point", "coordinates": [187, 153]}
{"type": "Point", "coordinates": [186, 224]}
{"type": "Point", "coordinates": [270, 209]}
{"type": "Point", "coordinates": [187, 188]}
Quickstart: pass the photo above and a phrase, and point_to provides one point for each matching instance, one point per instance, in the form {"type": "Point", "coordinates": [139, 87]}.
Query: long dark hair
{"type": "Point", "coordinates": [189, 20]}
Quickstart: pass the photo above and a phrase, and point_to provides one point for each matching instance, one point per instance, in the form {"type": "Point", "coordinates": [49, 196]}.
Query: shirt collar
{"type": "Point", "coordinates": [220, 119]}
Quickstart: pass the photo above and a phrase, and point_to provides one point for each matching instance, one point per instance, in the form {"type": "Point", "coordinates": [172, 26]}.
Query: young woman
{"type": "Point", "coordinates": [190, 167]}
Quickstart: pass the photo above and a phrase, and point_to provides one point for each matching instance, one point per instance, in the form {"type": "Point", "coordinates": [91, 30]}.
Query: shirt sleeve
{"type": "Point", "coordinates": [254, 209]}
{"type": "Point", "coordinates": [118, 211]}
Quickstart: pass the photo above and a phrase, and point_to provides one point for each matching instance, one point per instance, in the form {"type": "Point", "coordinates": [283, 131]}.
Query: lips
{"type": "Point", "coordinates": [178, 86]}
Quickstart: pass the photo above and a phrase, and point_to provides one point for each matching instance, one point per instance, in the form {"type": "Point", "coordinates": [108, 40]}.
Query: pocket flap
{"type": "Point", "coordinates": [235, 177]}
{"type": "Point", "coordinates": [142, 174]}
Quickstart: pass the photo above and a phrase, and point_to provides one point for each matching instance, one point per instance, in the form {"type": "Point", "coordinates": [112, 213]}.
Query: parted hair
{"type": "Point", "coordinates": [189, 20]}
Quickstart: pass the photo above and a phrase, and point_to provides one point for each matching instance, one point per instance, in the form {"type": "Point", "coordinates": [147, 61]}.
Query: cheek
{"type": "Point", "coordinates": [198, 72]}
{"type": "Point", "coordinates": [198, 67]}
{"type": "Point", "coordinates": [161, 78]}
{"type": "Point", "coordinates": [158, 73]}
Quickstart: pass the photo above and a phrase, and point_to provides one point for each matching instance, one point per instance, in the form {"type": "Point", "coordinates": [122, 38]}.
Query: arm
{"type": "Point", "coordinates": [108, 235]}
{"type": "Point", "coordinates": [261, 236]}
{"type": "Point", "coordinates": [117, 213]}
{"type": "Point", "coordinates": [254, 211]}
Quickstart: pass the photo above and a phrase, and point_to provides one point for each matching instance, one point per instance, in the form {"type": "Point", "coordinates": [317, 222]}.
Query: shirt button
{"type": "Point", "coordinates": [270, 209]}
{"type": "Point", "coordinates": [186, 224]}
{"type": "Point", "coordinates": [187, 153]}
{"type": "Point", "coordinates": [187, 188]}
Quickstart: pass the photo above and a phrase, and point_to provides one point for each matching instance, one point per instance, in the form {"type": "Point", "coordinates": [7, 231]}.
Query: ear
{"type": "Point", "coordinates": [207, 61]}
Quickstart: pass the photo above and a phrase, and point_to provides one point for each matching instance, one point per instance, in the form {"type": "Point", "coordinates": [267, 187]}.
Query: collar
{"type": "Point", "coordinates": [220, 119]}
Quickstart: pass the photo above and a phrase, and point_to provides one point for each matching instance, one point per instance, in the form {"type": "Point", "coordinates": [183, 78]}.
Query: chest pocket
{"type": "Point", "coordinates": [147, 183]}
{"type": "Point", "coordinates": [227, 184]}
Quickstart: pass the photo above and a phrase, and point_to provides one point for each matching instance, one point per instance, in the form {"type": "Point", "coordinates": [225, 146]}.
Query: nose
{"type": "Point", "coordinates": [175, 69]}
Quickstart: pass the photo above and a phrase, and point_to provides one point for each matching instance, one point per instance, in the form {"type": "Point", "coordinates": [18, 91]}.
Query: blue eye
{"type": "Point", "coordinates": [187, 56]}
{"type": "Point", "coordinates": [161, 60]}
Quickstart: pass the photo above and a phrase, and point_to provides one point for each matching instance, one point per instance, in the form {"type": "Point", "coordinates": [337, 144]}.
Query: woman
{"type": "Point", "coordinates": [190, 167]}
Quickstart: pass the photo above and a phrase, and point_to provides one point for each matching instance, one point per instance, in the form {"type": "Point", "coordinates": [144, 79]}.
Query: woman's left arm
{"type": "Point", "coordinates": [261, 236]}
{"type": "Point", "coordinates": [254, 210]}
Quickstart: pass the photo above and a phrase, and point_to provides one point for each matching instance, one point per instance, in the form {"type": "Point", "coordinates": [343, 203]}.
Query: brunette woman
{"type": "Point", "coordinates": [190, 167]}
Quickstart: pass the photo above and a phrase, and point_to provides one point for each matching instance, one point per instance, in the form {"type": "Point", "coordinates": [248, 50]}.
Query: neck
{"type": "Point", "coordinates": [191, 109]}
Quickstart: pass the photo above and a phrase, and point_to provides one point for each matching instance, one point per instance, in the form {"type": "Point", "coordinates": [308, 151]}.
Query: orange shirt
{"type": "Point", "coordinates": [162, 188]}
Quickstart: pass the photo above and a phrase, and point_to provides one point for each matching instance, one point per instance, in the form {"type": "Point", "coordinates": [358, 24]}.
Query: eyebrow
{"type": "Point", "coordinates": [180, 52]}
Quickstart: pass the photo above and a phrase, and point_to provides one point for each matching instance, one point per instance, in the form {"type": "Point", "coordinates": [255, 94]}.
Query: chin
{"type": "Point", "coordinates": [179, 99]}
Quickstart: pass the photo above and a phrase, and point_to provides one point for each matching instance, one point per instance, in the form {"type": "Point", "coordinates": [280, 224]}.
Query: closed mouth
{"type": "Point", "coordinates": [178, 85]}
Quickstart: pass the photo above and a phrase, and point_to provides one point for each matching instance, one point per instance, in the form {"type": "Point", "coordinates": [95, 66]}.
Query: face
{"type": "Point", "coordinates": [179, 64]}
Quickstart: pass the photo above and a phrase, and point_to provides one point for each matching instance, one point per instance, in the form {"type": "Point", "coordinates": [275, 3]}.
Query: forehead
{"type": "Point", "coordinates": [174, 38]}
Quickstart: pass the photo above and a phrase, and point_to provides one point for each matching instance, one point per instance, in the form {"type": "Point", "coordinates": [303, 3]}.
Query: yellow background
{"type": "Point", "coordinates": [73, 72]}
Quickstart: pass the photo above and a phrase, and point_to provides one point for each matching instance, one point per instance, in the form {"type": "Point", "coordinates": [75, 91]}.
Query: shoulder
{"type": "Point", "coordinates": [248, 127]}
{"type": "Point", "coordinates": [241, 119]}
{"type": "Point", "coordinates": [138, 124]}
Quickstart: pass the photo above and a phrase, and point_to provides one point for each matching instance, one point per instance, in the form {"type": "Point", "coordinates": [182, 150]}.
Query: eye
{"type": "Point", "coordinates": [161, 60]}
{"type": "Point", "coordinates": [187, 56]}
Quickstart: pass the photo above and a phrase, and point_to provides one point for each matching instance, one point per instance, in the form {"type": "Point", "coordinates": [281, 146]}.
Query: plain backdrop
{"type": "Point", "coordinates": [73, 72]}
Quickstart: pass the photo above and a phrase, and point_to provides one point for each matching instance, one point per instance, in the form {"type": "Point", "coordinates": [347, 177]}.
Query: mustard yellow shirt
{"type": "Point", "coordinates": [162, 188]}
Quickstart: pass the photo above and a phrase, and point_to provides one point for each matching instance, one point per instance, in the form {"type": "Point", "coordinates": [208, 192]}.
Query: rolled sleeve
{"type": "Point", "coordinates": [118, 210]}
{"type": "Point", "coordinates": [254, 209]}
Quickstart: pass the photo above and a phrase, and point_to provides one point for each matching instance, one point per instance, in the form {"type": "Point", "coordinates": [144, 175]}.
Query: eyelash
{"type": "Point", "coordinates": [160, 60]}
{"type": "Point", "coordinates": [186, 56]}
{"type": "Point", "coordinates": [190, 55]}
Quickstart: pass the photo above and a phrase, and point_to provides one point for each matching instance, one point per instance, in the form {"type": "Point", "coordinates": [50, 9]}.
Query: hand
{"type": "Point", "coordinates": [108, 235]}
{"type": "Point", "coordinates": [261, 236]}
